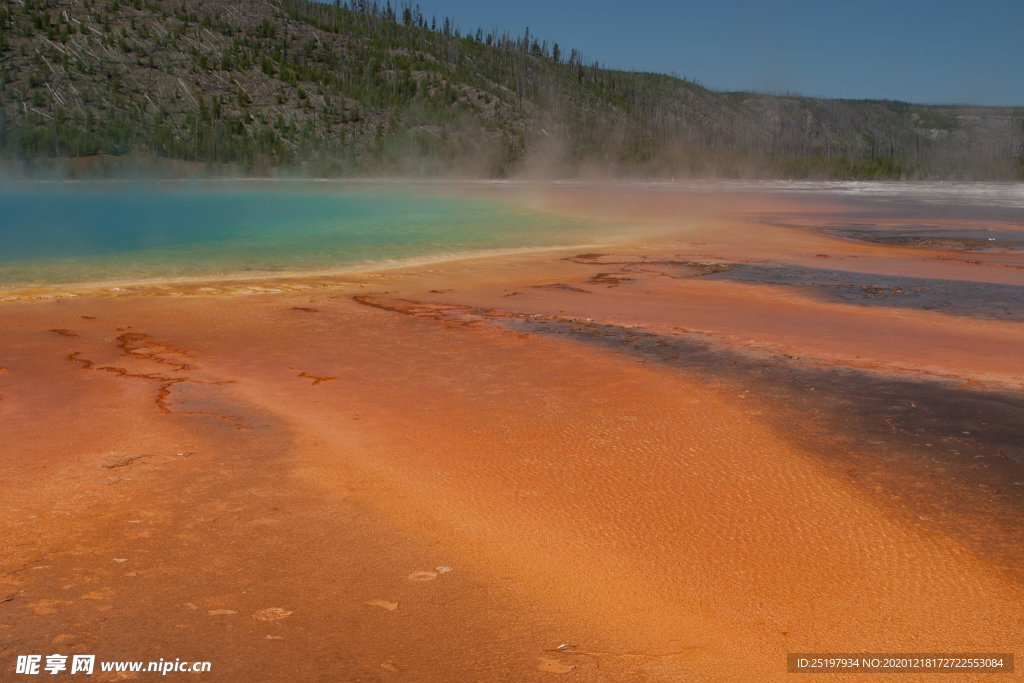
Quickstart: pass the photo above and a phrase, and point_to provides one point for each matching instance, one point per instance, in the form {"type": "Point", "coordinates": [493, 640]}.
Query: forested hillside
{"type": "Point", "coordinates": [265, 86]}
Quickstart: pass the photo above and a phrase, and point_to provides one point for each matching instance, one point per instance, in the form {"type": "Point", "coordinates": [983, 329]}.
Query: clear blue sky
{"type": "Point", "coordinates": [926, 52]}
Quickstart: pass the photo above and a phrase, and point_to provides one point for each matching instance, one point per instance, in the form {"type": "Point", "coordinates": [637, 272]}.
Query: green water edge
{"type": "Point", "coordinates": [66, 234]}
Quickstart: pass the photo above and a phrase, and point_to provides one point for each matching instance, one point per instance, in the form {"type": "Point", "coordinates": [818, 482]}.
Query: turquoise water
{"type": "Point", "coordinates": [56, 234]}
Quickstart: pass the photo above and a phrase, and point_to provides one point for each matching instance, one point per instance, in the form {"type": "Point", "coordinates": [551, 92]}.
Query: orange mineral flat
{"type": "Point", "coordinates": [731, 434]}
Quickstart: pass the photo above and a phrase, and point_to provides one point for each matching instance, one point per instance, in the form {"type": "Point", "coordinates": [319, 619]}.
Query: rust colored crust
{"type": "Point", "coordinates": [316, 380]}
{"type": "Point", "coordinates": [139, 345]}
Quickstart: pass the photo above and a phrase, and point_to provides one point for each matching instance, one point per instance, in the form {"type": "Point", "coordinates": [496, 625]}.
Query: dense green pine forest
{"type": "Point", "coordinates": [353, 88]}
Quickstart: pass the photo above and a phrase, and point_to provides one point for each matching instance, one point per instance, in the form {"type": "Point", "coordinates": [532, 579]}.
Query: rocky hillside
{"type": "Point", "coordinates": [260, 86]}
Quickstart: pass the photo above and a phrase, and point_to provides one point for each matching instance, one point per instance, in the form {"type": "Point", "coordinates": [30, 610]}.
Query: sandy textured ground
{"type": "Point", "coordinates": [487, 472]}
